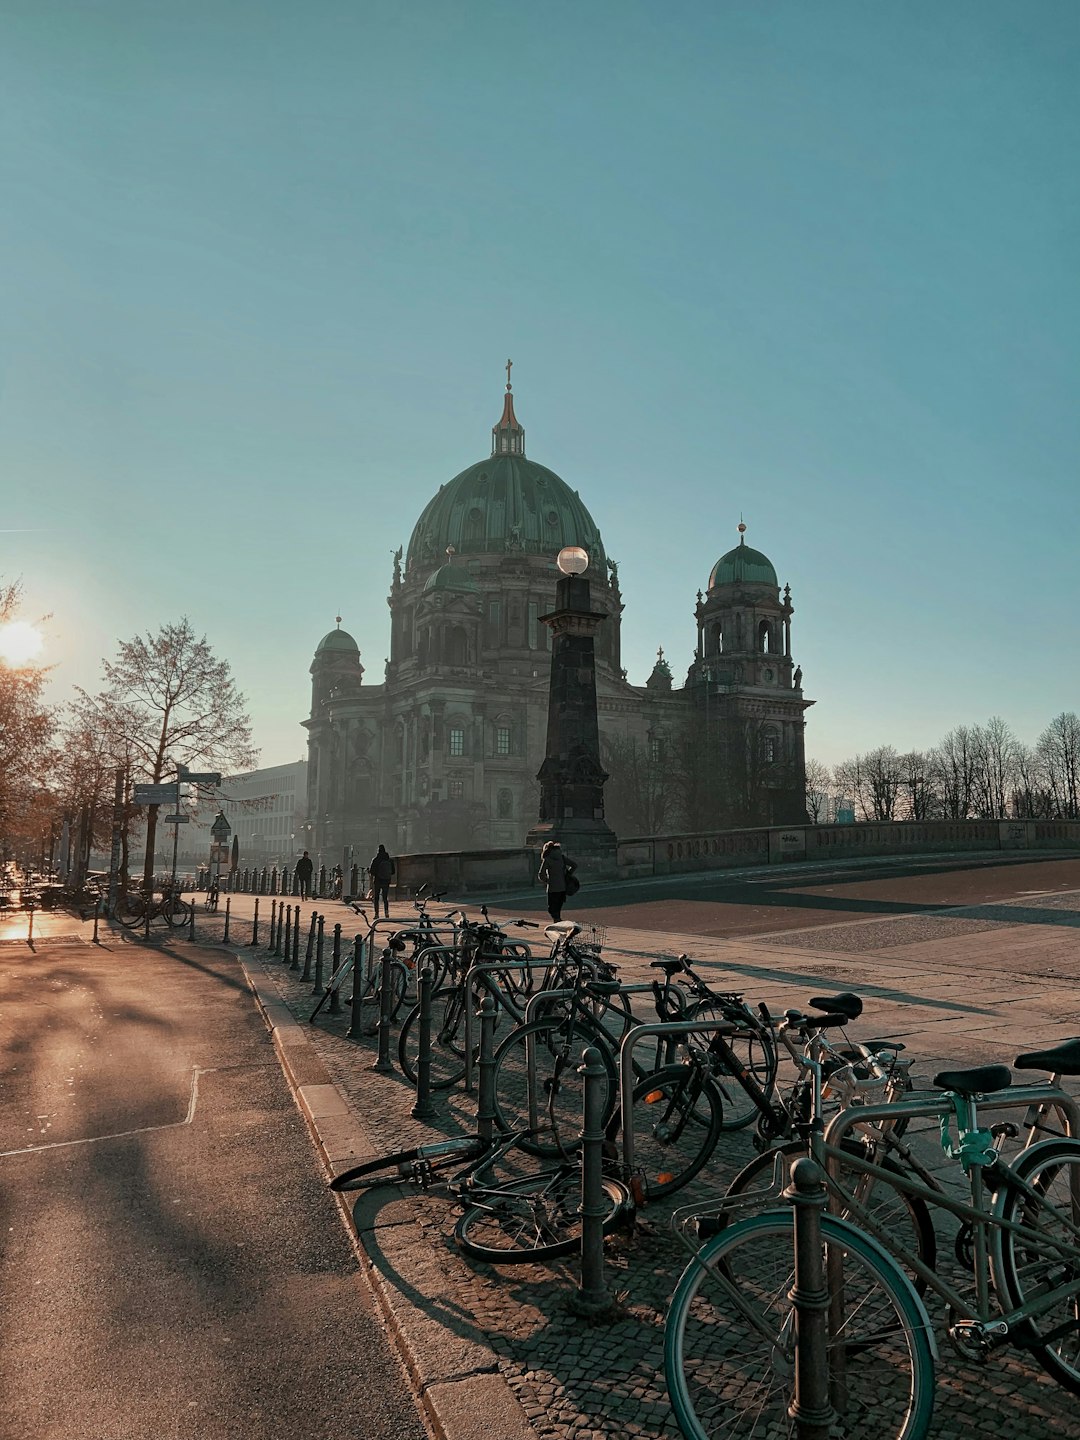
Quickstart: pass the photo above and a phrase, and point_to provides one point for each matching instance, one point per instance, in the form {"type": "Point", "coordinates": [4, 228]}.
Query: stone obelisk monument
{"type": "Point", "coordinates": [571, 777]}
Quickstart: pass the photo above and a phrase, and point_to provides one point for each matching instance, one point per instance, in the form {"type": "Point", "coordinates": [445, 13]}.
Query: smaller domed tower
{"type": "Point", "coordinates": [747, 695]}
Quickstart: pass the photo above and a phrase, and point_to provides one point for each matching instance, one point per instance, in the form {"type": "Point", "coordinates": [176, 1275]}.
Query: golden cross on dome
{"type": "Point", "coordinates": [509, 365]}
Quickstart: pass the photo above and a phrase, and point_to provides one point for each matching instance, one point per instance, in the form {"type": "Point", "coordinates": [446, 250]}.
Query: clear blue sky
{"type": "Point", "coordinates": [261, 265]}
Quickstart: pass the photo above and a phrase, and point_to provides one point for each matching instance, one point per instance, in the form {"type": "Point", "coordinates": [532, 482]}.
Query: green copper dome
{"type": "Point", "coordinates": [339, 640]}
{"type": "Point", "coordinates": [451, 577]}
{"type": "Point", "coordinates": [505, 503]}
{"type": "Point", "coordinates": [743, 566]}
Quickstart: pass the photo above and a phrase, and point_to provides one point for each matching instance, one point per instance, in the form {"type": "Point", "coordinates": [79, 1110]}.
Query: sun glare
{"type": "Point", "coordinates": [19, 642]}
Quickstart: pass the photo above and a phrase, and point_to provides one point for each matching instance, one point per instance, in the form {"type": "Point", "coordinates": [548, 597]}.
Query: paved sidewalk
{"type": "Point", "coordinates": [498, 1351]}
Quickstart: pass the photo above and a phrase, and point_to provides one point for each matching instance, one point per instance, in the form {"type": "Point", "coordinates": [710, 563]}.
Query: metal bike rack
{"type": "Point", "coordinates": [626, 1069]}
{"type": "Point", "coordinates": [484, 968]}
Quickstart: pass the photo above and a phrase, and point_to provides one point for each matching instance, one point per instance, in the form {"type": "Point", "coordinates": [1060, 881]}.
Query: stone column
{"type": "Point", "coordinates": [571, 777]}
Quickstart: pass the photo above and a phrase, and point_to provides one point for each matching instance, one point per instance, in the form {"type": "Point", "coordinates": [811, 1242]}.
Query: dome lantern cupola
{"type": "Point", "coordinates": [508, 437]}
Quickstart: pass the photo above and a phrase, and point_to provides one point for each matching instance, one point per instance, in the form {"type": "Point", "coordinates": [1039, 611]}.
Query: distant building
{"type": "Point", "coordinates": [443, 754]}
{"type": "Point", "coordinates": [267, 810]}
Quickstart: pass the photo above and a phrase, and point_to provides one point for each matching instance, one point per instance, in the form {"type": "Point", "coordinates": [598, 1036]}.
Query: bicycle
{"type": "Point", "coordinates": [1024, 1257]}
{"type": "Point", "coordinates": [461, 970]}
{"type": "Point", "coordinates": [527, 1217]}
{"type": "Point", "coordinates": [134, 907]}
{"type": "Point", "coordinates": [676, 1112]}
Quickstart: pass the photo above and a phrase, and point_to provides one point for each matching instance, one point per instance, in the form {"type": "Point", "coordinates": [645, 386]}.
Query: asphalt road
{"type": "Point", "coordinates": [725, 906]}
{"type": "Point", "coordinates": [171, 1264]}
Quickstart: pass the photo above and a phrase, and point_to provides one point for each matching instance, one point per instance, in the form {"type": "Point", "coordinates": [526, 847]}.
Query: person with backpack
{"type": "Point", "coordinates": [381, 869]}
{"type": "Point", "coordinates": [557, 874]}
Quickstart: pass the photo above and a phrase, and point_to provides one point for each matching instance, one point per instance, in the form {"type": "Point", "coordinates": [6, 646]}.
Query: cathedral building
{"type": "Point", "coordinates": [443, 753]}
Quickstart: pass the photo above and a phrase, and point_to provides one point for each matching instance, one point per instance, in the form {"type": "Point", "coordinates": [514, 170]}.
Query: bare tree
{"type": "Point", "coordinates": [1058, 748]}
{"type": "Point", "coordinates": [919, 799]}
{"type": "Point", "coordinates": [818, 783]}
{"type": "Point", "coordinates": [25, 728]}
{"type": "Point", "coordinates": [954, 763]}
{"type": "Point", "coordinates": [639, 794]}
{"type": "Point", "coordinates": [994, 750]}
{"type": "Point", "coordinates": [171, 701]}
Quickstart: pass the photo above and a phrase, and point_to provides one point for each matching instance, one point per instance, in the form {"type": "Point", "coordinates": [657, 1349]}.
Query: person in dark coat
{"type": "Point", "coordinates": [381, 870]}
{"type": "Point", "coordinates": [554, 868]}
{"type": "Point", "coordinates": [304, 869]}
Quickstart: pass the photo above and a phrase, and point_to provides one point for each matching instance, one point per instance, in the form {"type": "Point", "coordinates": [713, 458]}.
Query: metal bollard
{"type": "Point", "coordinates": [255, 924]}
{"type": "Point", "coordinates": [335, 965]}
{"type": "Point", "coordinates": [810, 1409]}
{"type": "Point", "coordinates": [485, 1098]}
{"type": "Point", "coordinates": [146, 917]}
{"type": "Point", "coordinates": [273, 925]}
{"type": "Point", "coordinates": [191, 920]}
{"type": "Point", "coordinates": [592, 1297]}
{"type": "Point", "coordinates": [424, 1108]}
{"type": "Point", "coordinates": [225, 937]}
{"type": "Point", "coordinates": [30, 927]}
{"type": "Point", "coordinates": [97, 917]}
{"type": "Point", "coordinates": [310, 951]}
{"type": "Point", "coordinates": [356, 1012]}
{"type": "Point", "coordinates": [288, 933]}
{"type": "Point", "coordinates": [383, 1064]}
{"type": "Point", "coordinates": [317, 988]}
{"type": "Point", "coordinates": [294, 963]}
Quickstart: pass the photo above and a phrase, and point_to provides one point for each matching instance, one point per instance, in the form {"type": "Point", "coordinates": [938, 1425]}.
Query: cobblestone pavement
{"type": "Point", "coordinates": [973, 986]}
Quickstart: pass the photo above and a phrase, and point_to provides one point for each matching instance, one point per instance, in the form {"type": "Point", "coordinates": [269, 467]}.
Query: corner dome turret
{"type": "Point", "coordinates": [743, 565]}
{"type": "Point", "coordinates": [339, 641]}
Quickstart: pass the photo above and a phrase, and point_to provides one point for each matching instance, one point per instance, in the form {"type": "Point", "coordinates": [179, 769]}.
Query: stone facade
{"type": "Point", "coordinates": [443, 754]}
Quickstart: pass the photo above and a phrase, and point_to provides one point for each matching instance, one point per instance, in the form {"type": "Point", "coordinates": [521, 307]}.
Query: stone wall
{"type": "Point", "coordinates": [486, 872]}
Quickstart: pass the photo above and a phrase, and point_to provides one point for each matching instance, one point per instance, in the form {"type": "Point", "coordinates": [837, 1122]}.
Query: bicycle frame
{"type": "Point", "coordinates": [988, 1227]}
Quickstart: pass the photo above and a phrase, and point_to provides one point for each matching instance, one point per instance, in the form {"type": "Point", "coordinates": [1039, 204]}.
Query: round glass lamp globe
{"type": "Point", "coordinates": [572, 560]}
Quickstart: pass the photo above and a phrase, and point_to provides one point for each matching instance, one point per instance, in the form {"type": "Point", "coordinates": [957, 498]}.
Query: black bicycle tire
{"type": "Point", "coordinates": [739, 1109]}
{"type": "Point", "coordinates": [720, 1368]}
{"type": "Point", "coordinates": [548, 1138]}
{"type": "Point", "coordinates": [448, 1066]}
{"type": "Point", "coordinates": [619, 1203]}
{"type": "Point", "coordinates": [387, 1169]}
{"type": "Point", "coordinates": [1011, 1204]}
{"type": "Point", "coordinates": [687, 1079]}
{"type": "Point", "coordinates": [917, 1208]}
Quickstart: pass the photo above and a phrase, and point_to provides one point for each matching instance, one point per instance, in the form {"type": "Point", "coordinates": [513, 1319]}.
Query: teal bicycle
{"type": "Point", "coordinates": [730, 1339]}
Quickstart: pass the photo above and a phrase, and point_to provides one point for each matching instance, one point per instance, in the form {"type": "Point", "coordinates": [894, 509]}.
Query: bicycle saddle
{"type": "Point", "coordinates": [669, 967]}
{"type": "Point", "coordinates": [1063, 1059]}
{"type": "Point", "coordinates": [979, 1081]}
{"type": "Point", "coordinates": [561, 930]}
{"type": "Point", "coordinates": [846, 1004]}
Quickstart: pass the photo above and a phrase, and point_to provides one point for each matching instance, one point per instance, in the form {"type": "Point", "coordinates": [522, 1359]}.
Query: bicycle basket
{"type": "Point", "coordinates": [591, 938]}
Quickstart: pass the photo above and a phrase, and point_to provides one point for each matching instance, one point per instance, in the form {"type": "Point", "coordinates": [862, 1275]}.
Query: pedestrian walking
{"type": "Point", "coordinates": [304, 869]}
{"type": "Point", "coordinates": [557, 874]}
{"type": "Point", "coordinates": [381, 869]}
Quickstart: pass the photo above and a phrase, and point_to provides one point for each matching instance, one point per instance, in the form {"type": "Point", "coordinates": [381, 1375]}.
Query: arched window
{"type": "Point", "coordinates": [764, 637]}
{"type": "Point", "coordinates": [770, 747]}
{"type": "Point", "coordinates": [505, 804]}
{"type": "Point", "coordinates": [456, 646]}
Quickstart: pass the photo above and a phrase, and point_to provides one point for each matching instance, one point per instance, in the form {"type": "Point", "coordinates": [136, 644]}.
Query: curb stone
{"type": "Point", "coordinates": [461, 1392]}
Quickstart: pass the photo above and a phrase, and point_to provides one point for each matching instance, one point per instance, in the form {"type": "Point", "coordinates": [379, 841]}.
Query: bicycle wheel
{"type": "Point", "coordinates": [131, 911]}
{"type": "Point", "coordinates": [537, 1217]}
{"type": "Point", "coordinates": [729, 1339]}
{"type": "Point", "coordinates": [176, 912]}
{"type": "Point", "coordinates": [755, 1049]}
{"type": "Point", "coordinates": [905, 1217]}
{"type": "Point", "coordinates": [418, 1164]}
{"type": "Point", "coordinates": [537, 1085]}
{"type": "Point", "coordinates": [1033, 1267]}
{"type": "Point", "coordinates": [447, 1039]}
{"type": "Point", "coordinates": [678, 1116]}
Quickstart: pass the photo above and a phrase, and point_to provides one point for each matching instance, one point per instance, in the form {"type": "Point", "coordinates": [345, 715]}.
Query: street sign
{"type": "Point", "coordinates": [178, 820]}
{"type": "Point", "coordinates": [205, 777]}
{"type": "Point", "coordinates": [155, 795]}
